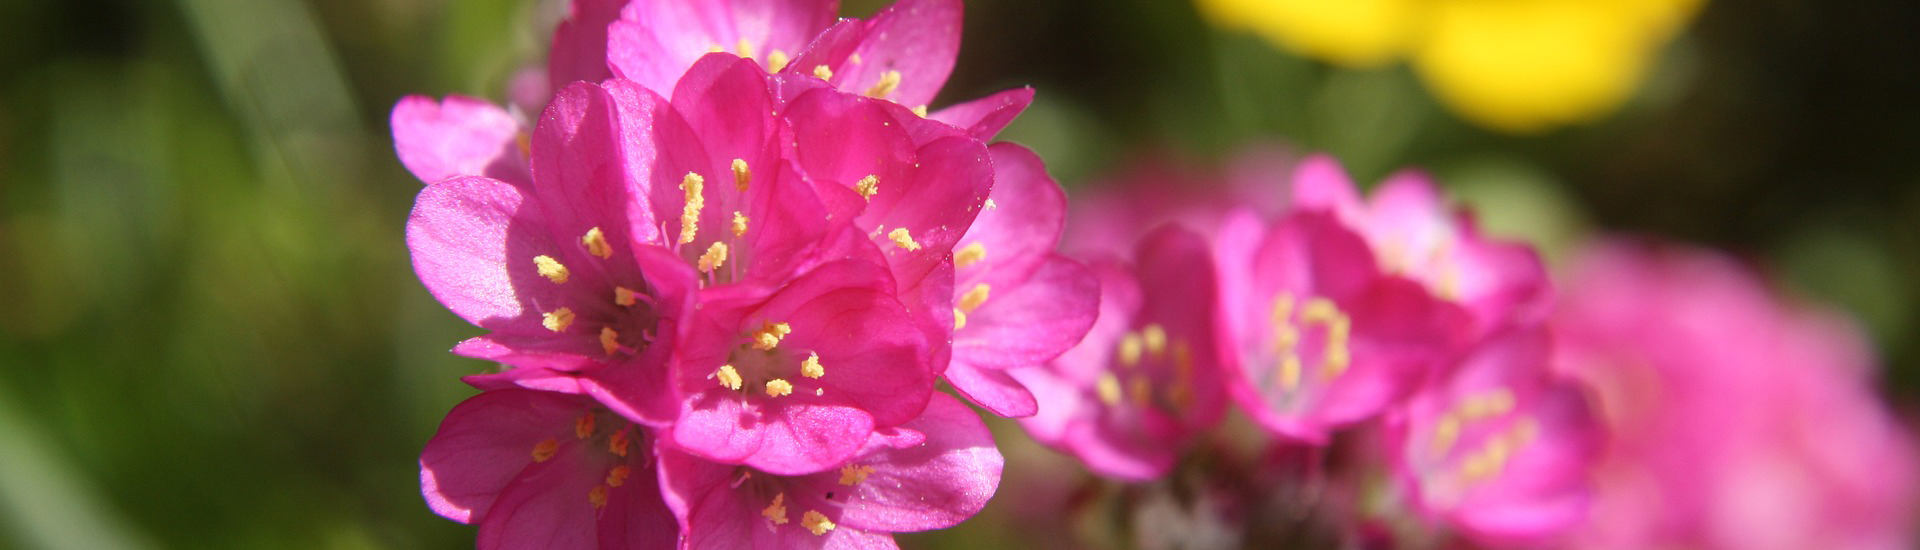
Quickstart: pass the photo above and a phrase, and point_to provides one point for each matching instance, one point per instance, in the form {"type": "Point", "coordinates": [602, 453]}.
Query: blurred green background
{"type": "Point", "coordinates": [212, 338]}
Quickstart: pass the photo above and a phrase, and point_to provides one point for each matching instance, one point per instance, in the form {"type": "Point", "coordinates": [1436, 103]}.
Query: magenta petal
{"type": "Point", "coordinates": [484, 442]}
{"type": "Point", "coordinates": [985, 117]}
{"type": "Point", "coordinates": [806, 438]}
{"type": "Point", "coordinates": [725, 99]}
{"type": "Point", "coordinates": [580, 43]}
{"type": "Point", "coordinates": [918, 38]}
{"type": "Point", "coordinates": [470, 237]}
{"type": "Point", "coordinates": [992, 389]}
{"type": "Point", "coordinates": [934, 485]}
{"type": "Point", "coordinates": [460, 136]}
{"type": "Point", "coordinates": [1019, 232]}
{"type": "Point", "coordinates": [1034, 321]}
{"type": "Point", "coordinates": [546, 506]}
{"type": "Point", "coordinates": [1321, 184]}
{"type": "Point", "coordinates": [590, 159]}
{"type": "Point", "coordinates": [636, 518]}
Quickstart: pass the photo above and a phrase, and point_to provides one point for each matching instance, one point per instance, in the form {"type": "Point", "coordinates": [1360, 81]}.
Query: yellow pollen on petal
{"type": "Point", "coordinates": [902, 239]}
{"type": "Point", "coordinates": [690, 214]}
{"type": "Point", "coordinates": [1130, 349]}
{"type": "Point", "coordinates": [596, 243]}
{"type": "Point", "coordinates": [550, 268]}
{"type": "Point", "coordinates": [854, 59]}
{"type": "Point", "coordinates": [854, 473]}
{"type": "Point", "coordinates": [969, 255]}
{"type": "Point", "coordinates": [618, 443]}
{"type": "Point", "coordinates": [974, 297]}
{"type": "Point", "coordinates": [1289, 372]}
{"type": "Point", "coordinates": [744, 48]}
{"type": "Point", "coordinates": [625, 296]}
{"type": "Point", "coordinates": [816, 522]}
{"type": "Point", "coordinates": [598, 496]}
{"type": "Point", "coordinates": [618, 476]}
{"type": "Point", "coordinates": [716, 256]}
{"type": "Point", "coordinates": [822, 72]}
{"type": "Point", "coordinates": [867, 186]}
{"type": "Point", "coordinates": [739, 224]}
{"type": "Point", "coordinates": [742, 176]}
{"type": "Point", "coordinates": [776, 511]}
{"type": "Point", "coordinates": [557, 320]}
{"type": "Point", "coordinates": [1155, 338]}
{"type": "Point", "coordinates": [583, 427]}
{"type": "Point", "coordinates": [777, 60]}
{"type": "Point", "coordinates": [609, 340]}
{"type": "Point", "coordinates": [544, 450]}
{"type": "Point", "coordinates": [920, 111]}
{"type": "Point", "coordinates": [728, 377]}
{"type": "Point", "coordinates": [770, 334]}
{"type": "Point", "coordinates": [779, 387]}
{"type": "Point", "coordinates": [889, 81]}
{"type": "Point", "coordinates": [811, 368]}
{"type": "Point", "coordinates": [1445, 432]}
{"type": "Point", "coordinates": [1494, 402]}
{"type": "Point", "coordinates": [1108, 387]}
{"type": "Point", "coordinates": [959, 319]}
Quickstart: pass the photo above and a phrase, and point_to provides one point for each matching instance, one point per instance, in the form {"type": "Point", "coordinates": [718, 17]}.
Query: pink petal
{"type": "Point", "coordinates": [580, 43]}
{"type": "Point", "coordinates": [472, 241]}
{"type": "Point", "coordinates": [460, 136]}
{"type": "Point", "coordinates": [591, 152]}
{"type": "Point", "coordinates": [918, 38]}
{"type": "Point", "coordinates": [655, 42]}
{"type": "Point", "coordinates": [546, 506]}
{"type": "Point", "coordinates": [934, 485]}
{"type": "Point", "coordinates": [1033, 322]}
{"type": "Point", "coordinates": [485, 442]}
{"type": "Point", "coordinates": [1320, 183]}
{"type": "Point", "coordinates": [725, 99]}
{"type": "Point", "coordinates": [991, 389]}
{"type": "Point", "coordinates": [1024, 225]}
{"type": "Point", "coordinates": [985, 117]}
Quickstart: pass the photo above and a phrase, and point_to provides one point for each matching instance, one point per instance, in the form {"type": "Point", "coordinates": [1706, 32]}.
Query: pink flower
{"type": "Point", "coordinates": [1146, 380]}
{"type": "Point", "coordinates": [546, 470]}
{"type": "Point", "coordinates": [929, 473]}
{"type": "Point", "coordinates": [1160, 190]}
{"type": "Point", "coordinates": [1016, 303]}
{"type": "Point", "coordinates": [1322, 338]}
{"type": "Point", "coordinates": [1737, 421]}
{"type": "Point", "coordinates": [1500, 450]}
{"type": "Point", "coordinates": [460, 136]}
{"type": "Point", "coordinates": [1415, 233]}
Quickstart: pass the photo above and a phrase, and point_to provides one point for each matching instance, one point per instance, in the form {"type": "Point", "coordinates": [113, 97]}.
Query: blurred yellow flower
{"type": "Point", "coordinates": [1514, 65]}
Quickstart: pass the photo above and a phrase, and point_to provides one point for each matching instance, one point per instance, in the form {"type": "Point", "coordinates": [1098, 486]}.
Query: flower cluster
{"type": "Point", "coordinates": [725, 269]}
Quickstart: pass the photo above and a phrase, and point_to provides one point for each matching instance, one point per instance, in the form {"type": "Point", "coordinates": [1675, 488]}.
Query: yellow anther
{"type": "Point", "coordinates": [1155, 338]}
{"type": "Point", "coordinates": [920, 111]}
{"type": "Point", "coordinates": [854, 59]}
{"type": "Point", "coordinates": [959, 319]}
{"type": "Point", "coordinates": [544, 450]}
{"type": "Point", "coordinates": [1108, 387]}
{"type": "Point", "coordinates": [974, 297]}
{"type": "Point", "coordinates": [1449, 284]}
{"type": "Point", "coordinates": [557, 320]}
{"type": "Point", "coordinates": [811, 368]}
{"type": "Point", "coordinates": [1319, 310]}
{"type": "Point", "coordinates": [583, 426]}
{"type": "Point", "coordinates": [822, 72]}
{"type": "Point", "coordinates": [744, 48]}
{"type": "Point", "coordinates": [715, 48]}
{"type": "Point", "coordinates": [596, 243]}
{"type": "Point", "coordinates": [1140, 389]}
{"type": "Point", "coordinates": [867, 186]}
{"type": "Point", "coordinates": [598, 496]}
{"type": "Point", "coordinates": [779, 387]}
{"type": "Point", "coordinates": [777, 60]}
{"type": "Point", "coordinates": [716, 256]}
{"type": "Point", "coordinates": [625, 296]}
{"type": "Point", "coordinates": [1289, 371]}
{"type": "Point", "coordinates": [739, 224]}
{"type": "Point", "coordinates": [609, 340]}
{"type": "Point", "coordinates": [770, 334]}
{"type": "Point", "coordinates": [854, 473]}
{"type": "Point", "coordinates": [728, 377]}
{"type": "Point", "coordinates": [690, 214]}
{"type": "Point", "coordinates": [969, 255]}
{"type": "Point", "coordinates": [1445, 432]}
{"type": "Point", "coordinates": [1334, 360]}
{"type": "Point", "coordinates": [777, 511]}
{"type": "Point", "coordinates": [889, 81]}
{"type": "Point", "coordinates": [1494, 402]}
{"type": "Point", "coordinates": [902, 239]}
{"type": "Point", "coordinates": [618, 443]}
{"type": "Point", "coordinates": [816, 522]}
{"type": "Point", "coordinates": [618, 476]}
{"type": "Point", "coordinates": [1283, 307]}
{"type": "Point", "coordinates": [550, 268]}
{"type": "Point", "coordinates": [1130, 349]}
{"type": "Point", "coordinates": [742, 176]}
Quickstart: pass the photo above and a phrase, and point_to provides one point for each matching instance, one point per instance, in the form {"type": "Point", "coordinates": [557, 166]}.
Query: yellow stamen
{"type": "Point", "coordinates": [1445, 432]}
{"type": "Point", "coordinates": [969, 255]}
{"type": "Point", "coordinates": [744, 48]}
{"type": "Point", "coordinates": [625, 296]}
{"type": "Point", "coordinates": [973, 298]}
{"type": "Point", "coordinates": [1289, 372]}
{"type": "Point", "coordinates": [550, 268]}
{"type": "Point", "coordinates": [811, 368]}
{"type": "Point", "coordinates": [544, 450]}
{"type": "Point", "coordinates": [1155, 339]}
{"type": "Point", "coordinates": [716, 256]}
{"type": "Point", "coordinates": [889, 81]}
{"type": "Point", "coordinates": [816, 522]}
{"type": "Point", "coordinates": [739, 224]}
{"type": "Point", "coordinates": [741, 174]}
{"type": "Point", "coordinates": [557, 320]}
{"type": "Point", "coordinates": [779, 387]}
{"type": "Point", "coordinates": [867, 186]}
{"type": "Point", "coordinates": [959, 319]}
{"type": "Point", "coordinates": [920, 111]}
{"type": "Point", "coordinates": [729, 378]}
{"type": "Point", "coordinates": [618, 476]}
{"type": "Point", "coordinates": [854, 473]}
{"type": "Point", "coordinates": [618, 443]}
{"type": "Point", "coordinates": [854, 59]}
{"type": "Point", "coordinates": [770, 335]}
{"type": "Point", "coordinates": [777, 60]}
{"type": "Point", "coordinates": [598, 496]}
{"type": "Point", "coordinates": [1130, 347]}
{"type": "Point", "coordinates": [690, 214]}
{"type": "Point", "coordinates": [902, 239]}
{"type": "Point", "coordinates": [1108, 388]}
{"type": "Point", "coordinates": [822, 72]}
{"type": "Point", "coordinates": [777, 511]}
{"type": "Point", "coordinates": [596, 243]}
{"type": "Point", "coordinates": [583, 427]}
{"type": "Point", "coordinates": [609, 340]}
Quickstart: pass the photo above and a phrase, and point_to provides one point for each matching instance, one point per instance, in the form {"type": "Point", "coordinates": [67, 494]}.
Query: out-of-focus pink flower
{"type": "Point", "coordinates": [1415, 233]}
{"type": "Point", "coordinates": [929, 473]}
{"type": "Point", "coordinates": [1321, 337]}
{"type": "Point", "coordinates": [1110, 215]}
{"type": "Point", "coordinates": [1146, 379]}
{"type": "Point", "coordinates": [459, 136]}
{"type": "Point", "coordinates": [1736, 421]}
{"type": "Point", "coordinates": [1500, 450]}
{"type": "Point", "coordinates": [546, 470]}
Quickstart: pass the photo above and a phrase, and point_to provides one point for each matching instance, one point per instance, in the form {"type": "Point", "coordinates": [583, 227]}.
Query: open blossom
{"type": "Point", "coordinates": [1500, 450]}
{"type": "Point", "coordinates": [1415, 233]}
{"type": "Point", "coordinates": [1145, 381]}
{"type": "Point", "coordinates": [1321, 336]}
{"type": "Point", "coordinates": [546, 470]}
{"type": "Point", "coordinates": [929, 473]}
{"type": "Point", "coordinates": [1736, 421]}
